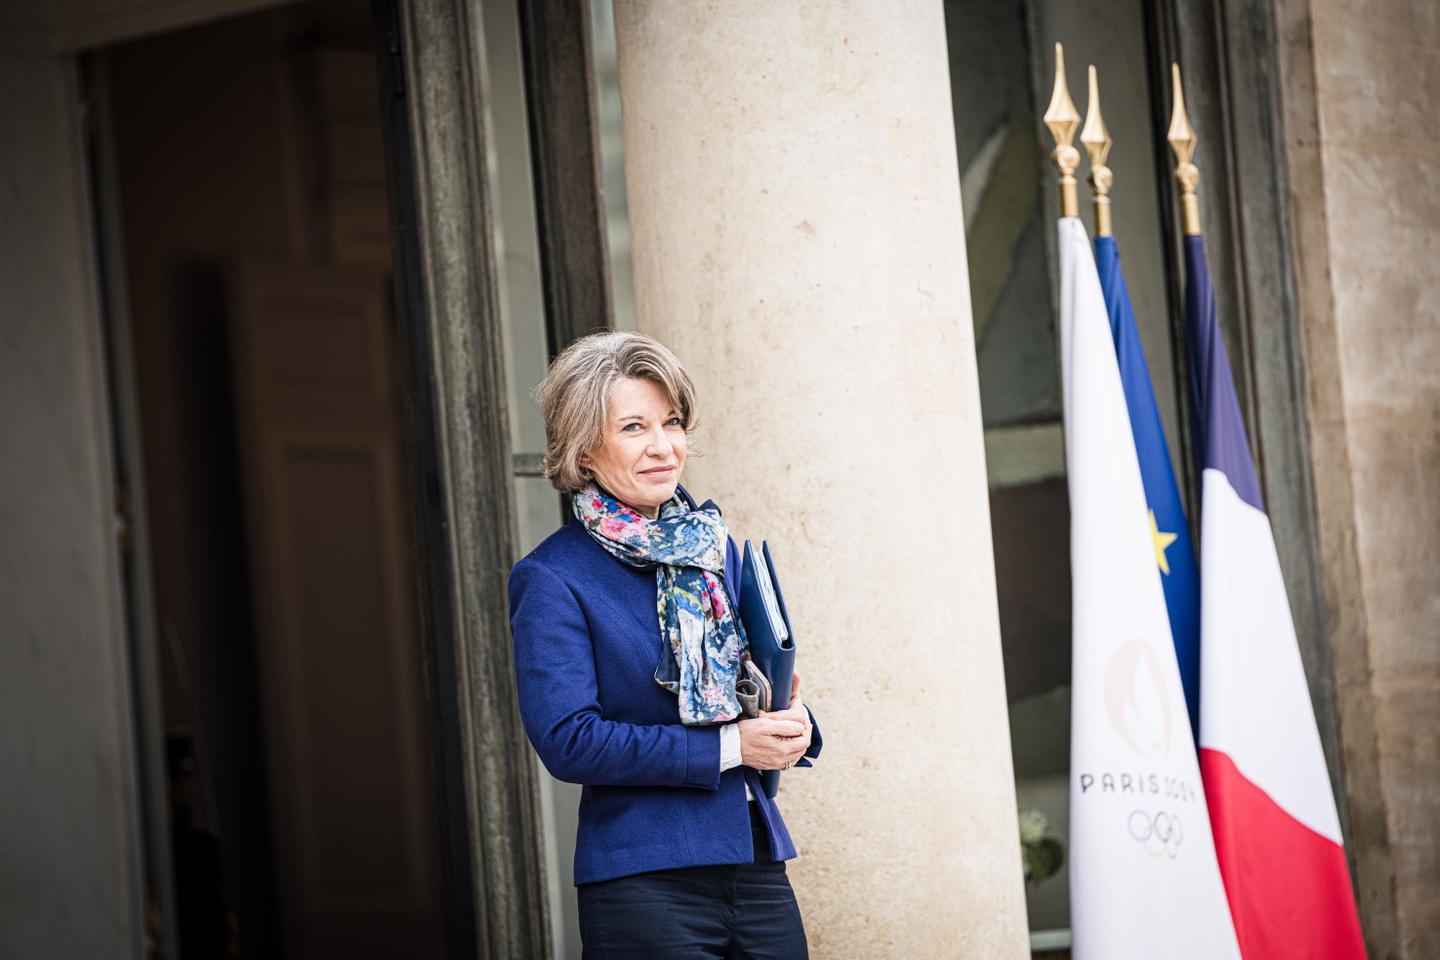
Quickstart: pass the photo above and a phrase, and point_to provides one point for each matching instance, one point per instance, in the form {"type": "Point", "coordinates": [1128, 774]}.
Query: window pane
{"type": "Point", "coordinates": [1002, 68]}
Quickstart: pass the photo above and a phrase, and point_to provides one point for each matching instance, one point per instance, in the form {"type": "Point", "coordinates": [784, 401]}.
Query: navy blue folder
{"type": "Point", "coordinates": [773, 653]}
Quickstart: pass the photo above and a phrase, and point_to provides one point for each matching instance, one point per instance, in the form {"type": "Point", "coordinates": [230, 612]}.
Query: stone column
{"type": "Point", "coordinates": [798, 241]}
{"type": "Point", "coordinates": [1364, 205]}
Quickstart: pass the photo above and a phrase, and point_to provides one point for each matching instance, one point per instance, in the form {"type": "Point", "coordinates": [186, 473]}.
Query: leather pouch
{"type": "Point", "coordinates": [752, 689]}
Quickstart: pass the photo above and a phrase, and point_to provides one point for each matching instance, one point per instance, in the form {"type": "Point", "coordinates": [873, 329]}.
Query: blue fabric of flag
{"type": "Point", "coordinates": [1162, 493]}
{"type": "Point", "coordinates": [1219, 427]}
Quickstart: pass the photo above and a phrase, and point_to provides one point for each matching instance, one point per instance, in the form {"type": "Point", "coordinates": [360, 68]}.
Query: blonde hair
{"type": "Point", "coordinates": [576, 389]}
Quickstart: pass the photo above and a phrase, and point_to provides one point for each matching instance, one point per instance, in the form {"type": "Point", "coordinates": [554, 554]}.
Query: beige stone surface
{"type": "Point", "coordinates": [798, 240]}
{"type": "Point", "coordinates": [1362, 84]}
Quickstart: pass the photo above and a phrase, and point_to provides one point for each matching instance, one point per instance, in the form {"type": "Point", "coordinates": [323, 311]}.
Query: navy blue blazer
{"type": "Point", "coordinates": [587, 638]}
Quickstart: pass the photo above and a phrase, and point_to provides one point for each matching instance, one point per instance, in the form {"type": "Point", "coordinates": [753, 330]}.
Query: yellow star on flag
{"type": "Point", "coordinates": [1162, 540]}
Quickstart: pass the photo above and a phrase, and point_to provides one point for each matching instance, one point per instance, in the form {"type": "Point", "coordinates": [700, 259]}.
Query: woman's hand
{"type": "Point", "coordinates": [776, 739]}
{"type": "Point", "coordinates": [768, 743]}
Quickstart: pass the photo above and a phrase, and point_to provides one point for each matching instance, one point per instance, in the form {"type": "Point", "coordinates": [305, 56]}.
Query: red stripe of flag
{"type": "Point", "coordinates": [1288, 886]}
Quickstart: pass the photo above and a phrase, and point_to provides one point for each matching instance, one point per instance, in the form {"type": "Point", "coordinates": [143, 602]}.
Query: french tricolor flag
{"type": "Point", "coordinates": [1277, 835]}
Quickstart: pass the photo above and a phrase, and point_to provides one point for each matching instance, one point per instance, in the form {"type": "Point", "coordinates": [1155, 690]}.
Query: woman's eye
{"type": "Point", "coordinates": [630, 427]}
{"type": "Point", "coordinates": [674, 422]}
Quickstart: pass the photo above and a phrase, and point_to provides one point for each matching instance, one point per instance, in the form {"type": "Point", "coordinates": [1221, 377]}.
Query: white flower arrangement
{"type": "Point", "coordinates": [1040, 850]}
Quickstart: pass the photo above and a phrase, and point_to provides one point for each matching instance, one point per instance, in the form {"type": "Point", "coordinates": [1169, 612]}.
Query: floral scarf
{"type": "Point", "coordinates": [687, 549]}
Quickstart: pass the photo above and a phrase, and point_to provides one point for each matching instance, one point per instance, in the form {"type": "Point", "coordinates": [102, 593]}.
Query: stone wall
{"type": "Point", "coordinates": [1361, 82]}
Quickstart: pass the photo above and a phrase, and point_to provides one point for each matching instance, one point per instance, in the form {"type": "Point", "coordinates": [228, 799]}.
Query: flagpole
{"type": "Point", "coordinates": [1097, 143]}
{"type": "Point", "coordinates": [1182, 140]}
{"type": "Point", "coordinates": [1063, 120]}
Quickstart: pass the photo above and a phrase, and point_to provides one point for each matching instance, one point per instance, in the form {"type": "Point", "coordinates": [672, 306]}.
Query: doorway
{"type": "Point", "coordinates": [255, 292]}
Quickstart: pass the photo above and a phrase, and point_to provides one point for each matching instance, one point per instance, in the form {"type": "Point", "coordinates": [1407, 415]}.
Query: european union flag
{"type": "Point", "coordinates": [1174, 553]}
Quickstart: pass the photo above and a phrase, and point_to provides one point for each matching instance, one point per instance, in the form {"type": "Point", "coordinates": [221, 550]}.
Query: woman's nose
{"type": "Point", "coordinates": [659, 443]}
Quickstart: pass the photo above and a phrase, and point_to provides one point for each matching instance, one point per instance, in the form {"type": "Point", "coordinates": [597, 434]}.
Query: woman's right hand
{"type": "Point", "coordinates": [768, 744]}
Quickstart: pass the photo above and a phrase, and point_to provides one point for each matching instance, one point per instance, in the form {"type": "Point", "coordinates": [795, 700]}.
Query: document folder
{"type": "Point", "coordinates": [767, 627]}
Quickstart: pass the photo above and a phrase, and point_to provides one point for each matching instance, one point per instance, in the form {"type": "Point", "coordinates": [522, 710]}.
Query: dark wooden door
{"type": "Point", "coordinates": [333, 582]}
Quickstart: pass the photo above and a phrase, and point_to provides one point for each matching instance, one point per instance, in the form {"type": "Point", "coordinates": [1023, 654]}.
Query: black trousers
{"type": "Point", "coordinates": [744, 911]}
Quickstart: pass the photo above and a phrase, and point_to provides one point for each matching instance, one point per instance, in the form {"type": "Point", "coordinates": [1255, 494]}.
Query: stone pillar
{"type": "Point", "coordinates": [1365, 207]}
{"type": "Point", "coordinates": [798, 241]}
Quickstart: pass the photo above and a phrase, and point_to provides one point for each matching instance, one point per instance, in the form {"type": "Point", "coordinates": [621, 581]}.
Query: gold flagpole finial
{"type": "Point", "coordinates": [1182, 141]}
{"type": "Point", "coordinates": [1063, 119]}
{"type": "Point", "coordinates": [1097, 143]}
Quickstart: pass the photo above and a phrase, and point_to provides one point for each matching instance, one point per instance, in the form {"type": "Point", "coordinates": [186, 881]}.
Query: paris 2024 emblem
{"type": "Point", "coordinates": [1138, 705]}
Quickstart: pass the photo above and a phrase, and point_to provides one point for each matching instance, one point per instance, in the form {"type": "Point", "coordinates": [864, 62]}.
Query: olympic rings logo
{"type": "Point", "coordinates": [1160, 835]}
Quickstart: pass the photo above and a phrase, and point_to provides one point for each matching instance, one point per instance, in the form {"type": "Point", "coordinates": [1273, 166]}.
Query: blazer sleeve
{"type": "Point", "coordinates": [560, 707]}
{"type": "Point", "coordinates": [816, 741]}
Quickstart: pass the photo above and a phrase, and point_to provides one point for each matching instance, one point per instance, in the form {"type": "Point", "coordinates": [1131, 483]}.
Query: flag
{"type": "Point", "coordinates": [1277, 834]}
{"type": "Point", "coordinates": [1174, 553]}
{"type": "Point", "coordinates": [1143, 877]}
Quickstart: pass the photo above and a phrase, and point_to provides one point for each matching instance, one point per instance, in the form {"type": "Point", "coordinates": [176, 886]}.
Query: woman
{"type": "Point", "coordinates": [627, 648]}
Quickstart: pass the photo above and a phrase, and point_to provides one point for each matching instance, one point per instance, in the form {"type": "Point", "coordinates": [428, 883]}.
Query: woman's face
{"type": "Point", "coordinates": [642, 446]}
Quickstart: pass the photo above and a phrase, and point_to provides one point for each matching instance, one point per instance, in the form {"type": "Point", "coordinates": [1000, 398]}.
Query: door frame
{"type": "Point", "coordinates": [142, 634]}
{"type": "Point", "coordinates": [1233, 61]}
{"type": "Point", "coordinates": [445, 231]}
